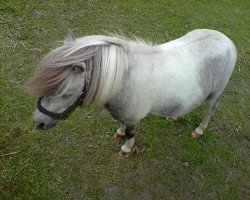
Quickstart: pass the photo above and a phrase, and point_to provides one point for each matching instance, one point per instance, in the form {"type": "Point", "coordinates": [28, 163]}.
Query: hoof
{"type": "Point", "coordinates": [135, 151]}
{"type": "Point", "coordinates": [171, 119]}
{"type": "Point", "coordinates": [180, 118]}
{"type": "Point", "coordinates": [123, 154]}
{"type": "Point", "coordinates": [174, 119]}
{"type": "Point", "coordinates": [119, 136]}
{"type": "Point", "coordinates": [196, 135]}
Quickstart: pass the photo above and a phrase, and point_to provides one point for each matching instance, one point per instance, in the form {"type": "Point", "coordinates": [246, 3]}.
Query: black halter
{"type": "Point", "coordinates": [79, 101]}
{"type": "Point", "coordinates": [65, 114]}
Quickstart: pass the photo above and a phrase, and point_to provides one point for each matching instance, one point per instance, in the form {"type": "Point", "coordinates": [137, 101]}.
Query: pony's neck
{"type": "Point", "coordinates": [109, 63]}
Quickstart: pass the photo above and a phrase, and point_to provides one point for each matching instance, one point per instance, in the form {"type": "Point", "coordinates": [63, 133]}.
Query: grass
{"type": "Point", "coordinates": [78, 159]}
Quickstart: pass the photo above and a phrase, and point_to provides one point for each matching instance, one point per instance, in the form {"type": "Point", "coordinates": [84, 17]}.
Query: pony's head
{"type": "Point", "coordinates": [59, 104]}
{"type": "Point", "coordinates": [82, 71]}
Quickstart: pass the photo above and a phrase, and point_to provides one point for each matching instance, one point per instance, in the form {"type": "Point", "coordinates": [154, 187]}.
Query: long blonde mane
{"type": "Point", "coordinates": [107, 60]}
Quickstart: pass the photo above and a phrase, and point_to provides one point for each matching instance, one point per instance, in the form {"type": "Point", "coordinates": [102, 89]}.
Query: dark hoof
{"type": "Point", "coordinates": [196, 135]}
{"type": "Point", "coordinates": [118, 136]}
{"type": "Point", "coordinates": [123, 154]}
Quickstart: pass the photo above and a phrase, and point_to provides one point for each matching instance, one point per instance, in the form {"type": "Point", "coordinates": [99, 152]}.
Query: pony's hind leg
{"type": "Point", "coordinates": [130, 142]}
{"type": "Point", "coordinates": [211, 105]}
{"type": "Point", "coordinates": [120, 133]}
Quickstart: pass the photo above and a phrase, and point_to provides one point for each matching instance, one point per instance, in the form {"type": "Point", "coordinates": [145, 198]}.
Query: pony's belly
{"type": "Point", "coordinates": [177, 109]}
{"type": "Point", "coordinates": [169, 111]}
{"type": "Point", "coordinates": [166, 114]}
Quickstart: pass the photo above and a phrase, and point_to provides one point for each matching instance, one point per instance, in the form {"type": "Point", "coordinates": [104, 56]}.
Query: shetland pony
{"type": "Point", "coordinates": [133, 78]}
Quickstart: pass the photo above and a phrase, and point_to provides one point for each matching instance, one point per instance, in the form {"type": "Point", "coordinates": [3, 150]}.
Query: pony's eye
{"type": "Point", "coordinates": [65, 96]}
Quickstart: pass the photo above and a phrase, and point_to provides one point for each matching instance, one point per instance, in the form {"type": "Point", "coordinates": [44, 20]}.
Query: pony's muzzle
{"type": "Point", "coordinates": [40, 126]}
{"type": "Point", "coordinates": [42, 121]}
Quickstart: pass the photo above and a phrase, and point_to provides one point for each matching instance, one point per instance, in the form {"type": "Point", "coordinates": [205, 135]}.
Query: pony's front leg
{"type": "Point", "coordinates": [120, 133]}
{"type": "Point", "coordinates": [129, 144]}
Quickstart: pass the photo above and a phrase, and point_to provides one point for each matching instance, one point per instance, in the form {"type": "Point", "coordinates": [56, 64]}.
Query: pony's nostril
{"type": "Point", "coordinates": [40, 126]}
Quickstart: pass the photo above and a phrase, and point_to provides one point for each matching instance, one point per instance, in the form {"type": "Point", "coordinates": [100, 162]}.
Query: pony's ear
{"type": "Point", "coordinates": [79, 67]}
{"type": "Point", "coordinates": [69, 38]}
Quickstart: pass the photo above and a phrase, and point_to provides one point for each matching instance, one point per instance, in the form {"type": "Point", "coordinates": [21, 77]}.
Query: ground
{"type": "Point", "coordinates": [79, 158]}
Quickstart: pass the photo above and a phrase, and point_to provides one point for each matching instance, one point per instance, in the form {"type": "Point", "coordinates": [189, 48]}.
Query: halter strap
{"type": "Point", "coordinates": [80, 101]}
{"type": "Point", "coordinates": [65, 114]}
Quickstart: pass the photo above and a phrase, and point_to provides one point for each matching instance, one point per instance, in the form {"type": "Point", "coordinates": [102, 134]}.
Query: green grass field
{"type": "Point", "coordinates": [79, 158]}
